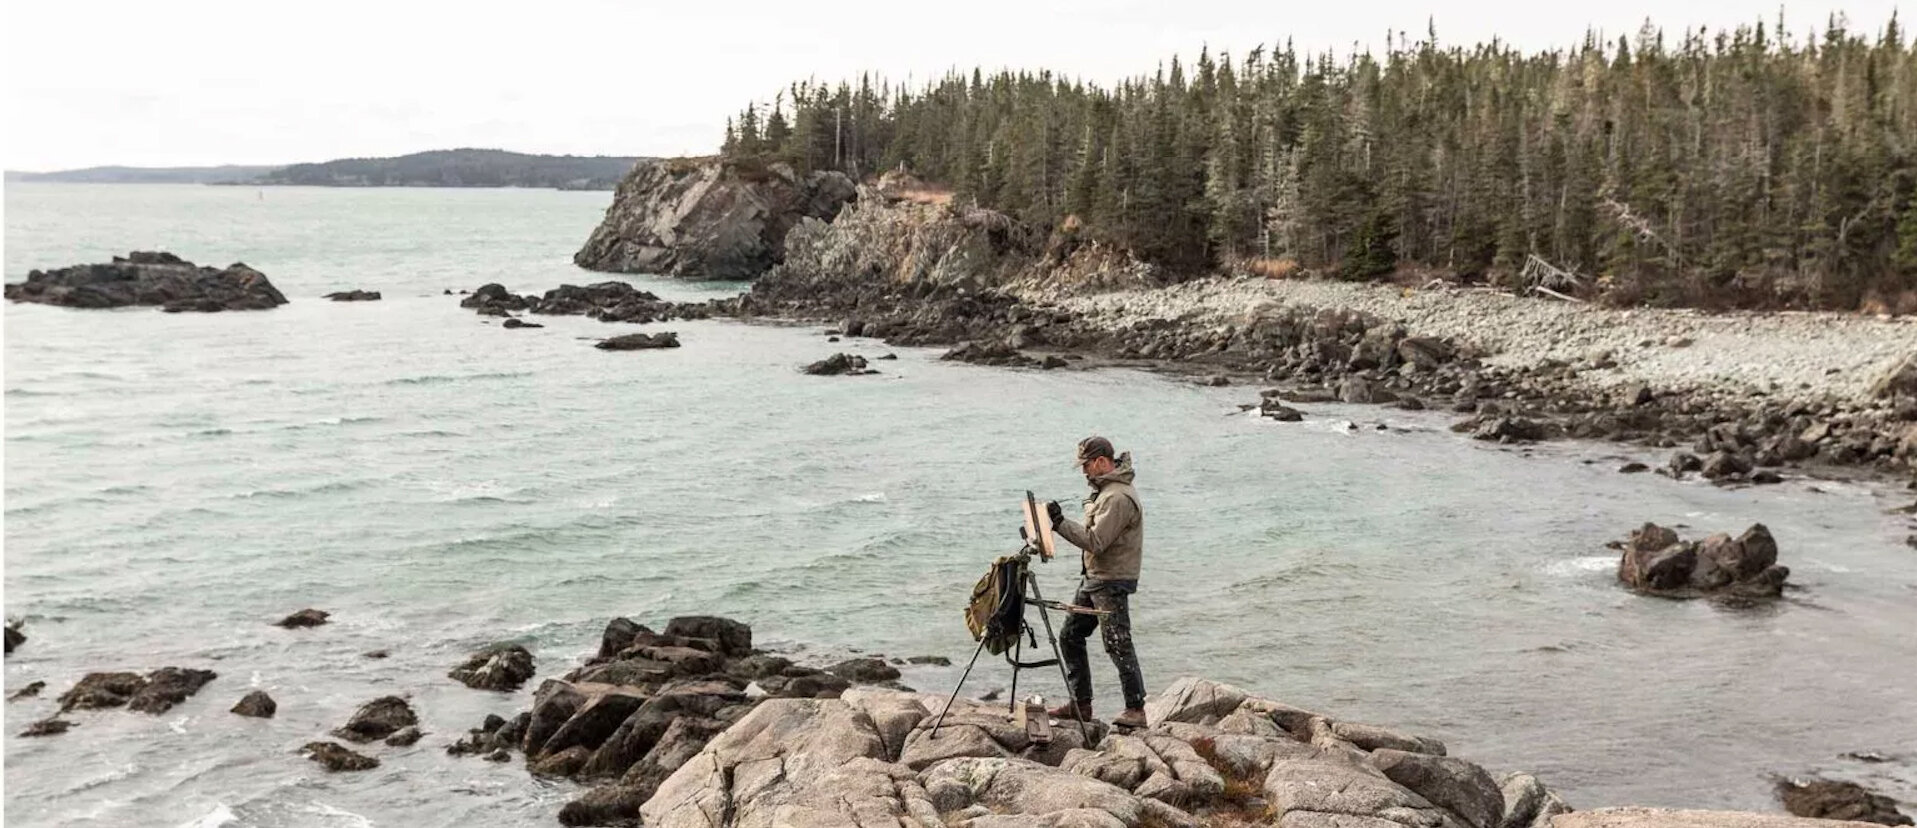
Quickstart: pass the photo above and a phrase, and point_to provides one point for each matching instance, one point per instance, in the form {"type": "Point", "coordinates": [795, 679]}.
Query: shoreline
{"type": "Point", "coordinates": [1679, 380]}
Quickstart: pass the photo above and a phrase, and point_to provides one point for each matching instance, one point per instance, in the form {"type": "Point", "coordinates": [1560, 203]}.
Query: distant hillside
{"type": "Point", "coordinates": [228, 174]}
{"type": "Point", "coordinates": [459, 168]}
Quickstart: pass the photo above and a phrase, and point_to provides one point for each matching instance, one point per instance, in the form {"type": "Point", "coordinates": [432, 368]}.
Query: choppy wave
{"type": "Point", "coordinates": [437, 379]}
{"type": "Point", "coordinates": [330, 421]}
{"type": "Point", "coordinates": [126, 771]}
{"type": "Point", "coordinates": [220, 815]}
{"type": "Point", "coordinates": [329, 487]}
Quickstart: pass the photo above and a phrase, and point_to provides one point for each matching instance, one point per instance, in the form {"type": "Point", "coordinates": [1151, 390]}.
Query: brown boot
{"type": "Point", "coordinates": [1072, 711]}
{"type": "Point", "coordinates": [1132, 718]}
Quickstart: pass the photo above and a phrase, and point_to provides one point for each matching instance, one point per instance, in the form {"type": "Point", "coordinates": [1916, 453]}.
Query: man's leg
{"type": "Point", "coordinates": [1071, 645]}
{"type": "Point", "coordinates": [1116, 629]}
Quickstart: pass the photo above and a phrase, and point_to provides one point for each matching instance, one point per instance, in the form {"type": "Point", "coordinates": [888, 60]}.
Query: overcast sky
{"type": "Point", "coordinates": [192, 82]}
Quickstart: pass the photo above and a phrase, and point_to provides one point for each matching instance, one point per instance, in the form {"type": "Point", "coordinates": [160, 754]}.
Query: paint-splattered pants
{"type": "Point", "coordinates": [1116, 632]}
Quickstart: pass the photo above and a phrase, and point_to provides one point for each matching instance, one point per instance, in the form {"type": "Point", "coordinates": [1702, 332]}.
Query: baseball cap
{"type": "Point", "coordinates": [1091, 447]}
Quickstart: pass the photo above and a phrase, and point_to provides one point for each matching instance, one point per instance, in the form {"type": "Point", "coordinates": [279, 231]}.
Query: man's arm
{"type": "Point", "coordinates": [1112, 517]}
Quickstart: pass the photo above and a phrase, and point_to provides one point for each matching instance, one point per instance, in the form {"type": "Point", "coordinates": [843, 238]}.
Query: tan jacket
{"type": "Point", "coordinates": [1113, 534]}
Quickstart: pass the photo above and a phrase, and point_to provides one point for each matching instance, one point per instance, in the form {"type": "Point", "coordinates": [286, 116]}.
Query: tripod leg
{"type": "Point", "coordinates": [955, 690]}
{"type": "Point", "coordinates": [1031, 582]}
{"type": "Point", "coordinates": [1018, 655]}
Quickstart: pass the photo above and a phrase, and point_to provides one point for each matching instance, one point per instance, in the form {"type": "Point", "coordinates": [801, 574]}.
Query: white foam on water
{"type": "Point", "coordinates": [220, 815]}
{"type": "Point", "coordinates": [875, 497]}
{"type": "Point", "coordinates": [1577, 567]}
{"type": "Point", "coordinates": [346, 817]}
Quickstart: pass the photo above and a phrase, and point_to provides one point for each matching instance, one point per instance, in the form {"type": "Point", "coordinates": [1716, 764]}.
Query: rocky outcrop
{"type": "Point", "coordinates": [149, 278]}
{"type": "Point", "coordinates": [304, 618]}
{"type": "Point", "coordinates": [708, 218]}
{"type": "Point", "coordinates": [1212, 750]}
{"type": "Point", "coordinates": [378, 719]}
{"type": "Point", "coordinates": [605, 301]}
{"type": "Point", "coordinates": [646, 704]}
{"type": "Point", "coordinates": [1831, 799]}
{"type": "Point", "coordinates": [1656, 562]}
{"type": "Point", "coordinates": [354, 296]}
{"type": "Point", "coordinates": [14, 637]}
{"type": "Point", "coordinates": [498, 668]}
{"type": "Point", "coordinates": [155, 692]}
{"type": "Point", "coordinates": [639, 342]}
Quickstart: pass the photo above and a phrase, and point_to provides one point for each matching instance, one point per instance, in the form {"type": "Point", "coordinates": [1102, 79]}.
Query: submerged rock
{"type": "Point", "coordinates": [47, 727]}
{"type": "Point", "coordinates": [15, 637]}
{"type": "Point", "coordinates": [404, 737]}
{"type": "Point", "coordinates": [846, 364]}
{"type": "Point", "coordinates": [354, 296]}
{"type": "Point", "coordinates": [639, 342]}
{"type": "Point", "coordinates": [989, 353]}
{"type": "Point", "coordinates": [30, 691]}
{"type": "Point", "coordinates": [149, 278]}
{"type": "Point", "coordinates": [335, 757]}
{"type": "Point", "coordinates": [303, 618]}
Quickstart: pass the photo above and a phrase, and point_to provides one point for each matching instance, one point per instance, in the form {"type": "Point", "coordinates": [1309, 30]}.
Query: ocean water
{"type": "Point", "coordinates": [176, 482]}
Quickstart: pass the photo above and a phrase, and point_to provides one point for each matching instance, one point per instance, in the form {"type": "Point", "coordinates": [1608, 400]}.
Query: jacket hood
{"type": "Point", "coordinates": [1120, 473]}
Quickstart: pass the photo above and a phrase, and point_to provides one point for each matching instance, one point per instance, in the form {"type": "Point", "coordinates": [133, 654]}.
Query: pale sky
{"type": "Point", "coordinates": [199, 82]}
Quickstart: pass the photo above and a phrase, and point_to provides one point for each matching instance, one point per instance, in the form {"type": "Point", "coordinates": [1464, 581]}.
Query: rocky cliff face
{"type": "Point", "coordinates": [708, 218]}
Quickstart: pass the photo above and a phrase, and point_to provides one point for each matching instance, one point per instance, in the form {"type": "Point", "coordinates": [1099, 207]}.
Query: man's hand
{"type": "Point", "coordinates": [1053, 511]}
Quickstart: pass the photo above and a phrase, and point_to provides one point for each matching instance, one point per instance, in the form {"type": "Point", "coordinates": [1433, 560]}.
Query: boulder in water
{"type": "Point", "coordinates": [354, 296]}
{"type": "Point", "coordinates": [840, 364]}
{"type": "Point", "coordinates": [156, 692]}
{"type": "Point", "coordinates": [256, 704]}
{"type": "Point", "coordinates": [378, 719]}
{"type": "Point", "coordinates": [32, 690]}
{"type": "Point", "coordinates": [15, 637]}
{"type": "Point", "coordinates": [1656, 562]}
{"type": "Point", "coordinates": [498, 668]}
